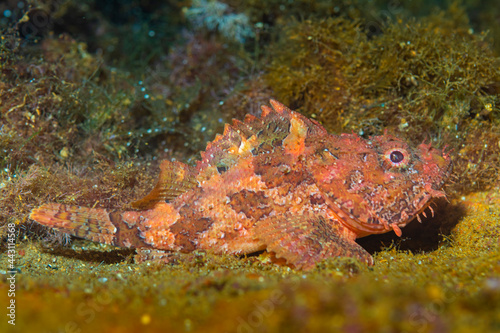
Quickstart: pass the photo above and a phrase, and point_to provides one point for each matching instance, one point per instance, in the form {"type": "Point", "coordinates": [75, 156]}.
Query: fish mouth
{"type": "Point", "coordinates": [373, 223]}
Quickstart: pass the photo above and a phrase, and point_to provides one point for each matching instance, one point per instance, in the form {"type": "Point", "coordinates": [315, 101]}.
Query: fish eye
{"type": "Point", "coordinates": [397, 157]}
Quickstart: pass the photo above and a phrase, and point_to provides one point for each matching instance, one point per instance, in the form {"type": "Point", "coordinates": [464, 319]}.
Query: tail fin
{"type": "Point", "coordinates": [95, 224]}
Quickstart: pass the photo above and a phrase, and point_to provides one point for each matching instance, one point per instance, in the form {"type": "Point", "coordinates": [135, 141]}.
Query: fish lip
{"type": "Point", "coordinates": [361, 228]}
{"type": "Point", "coordinates": [380, 225]}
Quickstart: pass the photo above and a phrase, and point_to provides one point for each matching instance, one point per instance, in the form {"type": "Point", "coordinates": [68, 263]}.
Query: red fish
{"type": "Point", "coordinates": [280, 183]}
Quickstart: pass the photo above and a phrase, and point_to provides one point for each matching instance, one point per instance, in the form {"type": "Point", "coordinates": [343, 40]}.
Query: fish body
{"type": "Point", "coordinates": [279, 183]}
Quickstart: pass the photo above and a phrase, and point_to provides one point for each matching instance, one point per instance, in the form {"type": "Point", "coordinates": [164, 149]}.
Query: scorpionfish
{"type": "Point", "coordinates": [279, 183]}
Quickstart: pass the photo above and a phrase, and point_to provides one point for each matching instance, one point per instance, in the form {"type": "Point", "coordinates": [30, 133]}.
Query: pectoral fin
{"type": "Point", "coordinates": [307, 239]}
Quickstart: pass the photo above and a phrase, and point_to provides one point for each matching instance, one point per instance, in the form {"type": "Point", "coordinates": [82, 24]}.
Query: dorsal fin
{"type": "Point", "coordinates": [280, 108]}
{"type": "Point", "coordinates": [255, 136]}
{"type": "Point", "coordinates": [250, 118]}
{"type": "Point", "coordinates": [244, 129]}
{"type": "Point", "coordinates": [175, 178]}
{"type": "Point", "coordinates": [266, 110]}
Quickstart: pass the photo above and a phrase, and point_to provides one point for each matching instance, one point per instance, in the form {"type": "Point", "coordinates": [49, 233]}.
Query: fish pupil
{"type": "Point", "coordinates": [397, 156]}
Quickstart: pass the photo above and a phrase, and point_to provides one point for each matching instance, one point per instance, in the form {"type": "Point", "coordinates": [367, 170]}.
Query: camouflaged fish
{"type": "Point", "coordinates": [280, 183]}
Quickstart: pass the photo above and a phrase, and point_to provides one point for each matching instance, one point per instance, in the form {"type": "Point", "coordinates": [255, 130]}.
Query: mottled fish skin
{"type": "Point", "coordinates": [279, 183]}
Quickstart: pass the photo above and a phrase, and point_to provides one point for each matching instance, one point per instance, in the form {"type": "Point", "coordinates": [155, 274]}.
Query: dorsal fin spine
{"type": "Point", "coordinates": [278, 107]}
